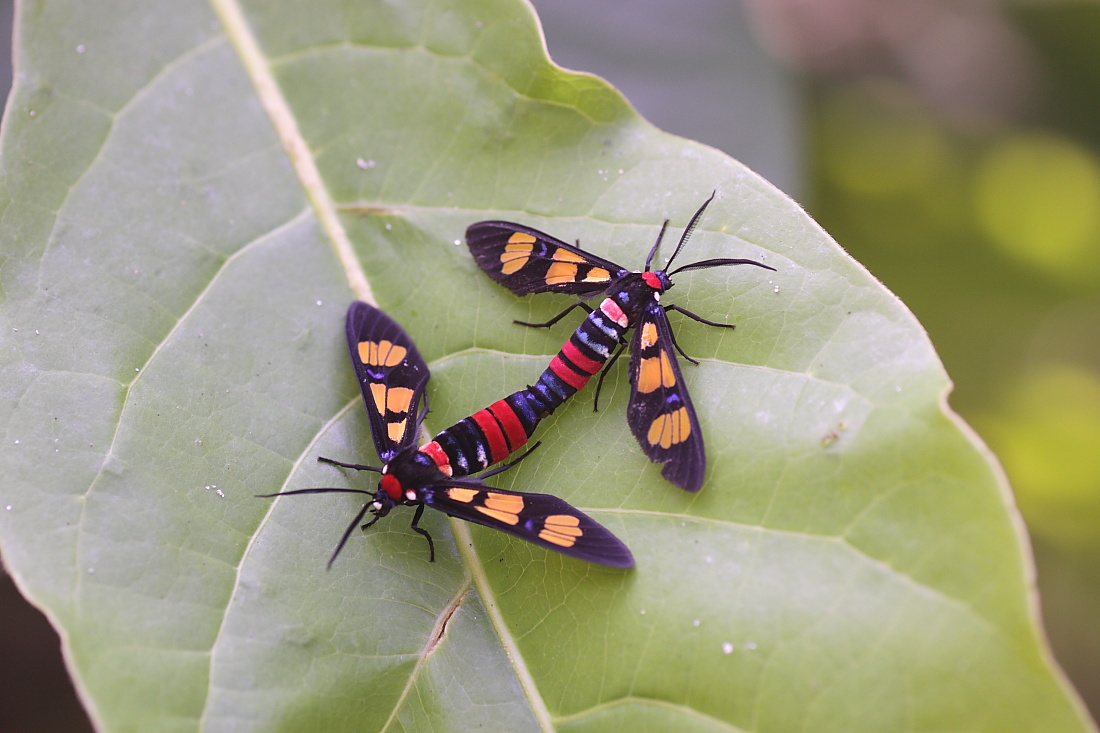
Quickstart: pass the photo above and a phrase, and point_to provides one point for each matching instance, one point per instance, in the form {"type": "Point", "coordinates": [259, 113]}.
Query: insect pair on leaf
{"type": "Point", "coordinates": [393, 376]}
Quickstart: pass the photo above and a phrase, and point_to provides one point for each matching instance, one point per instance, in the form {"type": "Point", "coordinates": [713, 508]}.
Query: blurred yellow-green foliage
{"type": "Point", "coordinates": [986, 222]}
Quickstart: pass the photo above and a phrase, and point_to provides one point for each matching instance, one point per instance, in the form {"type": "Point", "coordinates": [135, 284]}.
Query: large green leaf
{"type": "Point", "coordinates": [190, 200]}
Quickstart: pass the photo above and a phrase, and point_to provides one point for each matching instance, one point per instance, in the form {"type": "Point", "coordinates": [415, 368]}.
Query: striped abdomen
{"type": "Point", "coordinates": [492, 434]}
{"type": "Point", "coordinates": [486, 437]}
{"type": "Point", "coordinates": [584, 354]}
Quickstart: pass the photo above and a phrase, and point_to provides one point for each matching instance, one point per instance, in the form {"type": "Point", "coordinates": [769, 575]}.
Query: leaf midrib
{"type": "Point", "coordinates": [258, 69]}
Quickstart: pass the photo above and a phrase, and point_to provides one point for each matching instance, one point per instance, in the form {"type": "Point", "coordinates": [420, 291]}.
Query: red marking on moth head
{"type": "Point", "coordinates": [653, 281]}
{"type": "Point", "coordinates": [391, 486]}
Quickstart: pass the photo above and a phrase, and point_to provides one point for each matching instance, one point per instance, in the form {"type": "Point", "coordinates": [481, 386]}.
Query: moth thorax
{"type": "Point", "coordinates": [653, 281]}
{"type": "Point", "coordinates": [391, 486]}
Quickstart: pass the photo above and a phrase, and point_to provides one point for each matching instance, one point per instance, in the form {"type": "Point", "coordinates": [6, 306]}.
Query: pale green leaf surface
{"type": "Point", "coordinates": [187, 196]}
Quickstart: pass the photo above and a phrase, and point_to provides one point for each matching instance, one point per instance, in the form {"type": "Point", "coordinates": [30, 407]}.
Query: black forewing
{"type": "Point", "coordinates": [392, 376]}
{"type": "Point", "coordinates": [660, 413]}
{"type": "Point", "coordinates": [525, 260]}
{"type": "Point", "coordinates": [541, 519]}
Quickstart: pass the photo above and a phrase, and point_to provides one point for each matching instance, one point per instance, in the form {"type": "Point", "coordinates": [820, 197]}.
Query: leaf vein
{"type": "Point", "coordinates": [258, 68]}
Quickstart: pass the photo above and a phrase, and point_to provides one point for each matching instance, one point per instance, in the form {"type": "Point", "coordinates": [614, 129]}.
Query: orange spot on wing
{"type": "Point", "coordinates": [655, 372]}
{"type": "Point", "coordinates": [391, 354]}
{"type": "Point", "coordinates": [649, 375]}
{"type": "Point", "coordinates": [378, 394]}
{"type": "Point", "coordinates": [502, 507]}
{"type": "Point", "coordinates": [505, 502]}
{"type": "Point", "coordinates": [398, 399]}
{"type": "Point", "coordinates": [649, 335]}
{"type": "Point", "coordinates": [597, 275]}
{"type": "Point", "coordinates": [396, 430]}
{"type": "Point", "coordinates": [668, 377]}
{"type": "Point", "coordinates": [381, 353]}
{"type": "Point", "coordinates": [516, 254]}
{"type": "Point", "coordinates": [561, 272]}
{"type": "Point", "coordinates": [564, 255]}
{"type": "Point", "coordinates": [562, 530]}
{"type": "Point", "coordinates": [670, 429]}
{"type": "Point", "coordinates": [463, 495]}
{"type": "Point", "coordinates": [502, 517]}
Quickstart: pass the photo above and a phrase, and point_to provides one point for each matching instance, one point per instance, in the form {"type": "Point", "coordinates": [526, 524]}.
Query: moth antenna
{"type": "Point", "coordinates": [704, 264]}
{"type": "Point", "coordinates": [653, 252]}
{"type": "Point", "coordinates": [688, 230]}
{"type": "Point", "coordinates": [321, 490]}
{"type": "Point", "coordinates": [347, 534]}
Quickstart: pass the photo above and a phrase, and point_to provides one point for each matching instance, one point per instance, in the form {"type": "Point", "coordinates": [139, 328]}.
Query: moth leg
{"type": "Point", "coordinates": [505, 466]}
{"type": "Point", "coordinates": [423, 532]}
{"type": "Point", "coordinates": [672, 335]}
{"type": "Point", "coordinates": [558, 317]}
{"type": "Point", "coordinates": [603, 373]}
{"type": "Point", "coordinates": [697, 317]}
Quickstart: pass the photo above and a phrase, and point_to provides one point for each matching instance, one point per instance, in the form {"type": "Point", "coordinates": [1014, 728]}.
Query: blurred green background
{"type": "Point", "coordinates": [953, 147]}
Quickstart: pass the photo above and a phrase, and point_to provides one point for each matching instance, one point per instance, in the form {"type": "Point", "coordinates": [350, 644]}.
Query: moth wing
{"type": "Point", "coordinates": [541, 519]}
{"type": "Point", "coordinates": [392, 376]}
{"type": "Point", "coordinates": [660, 413]}
{"type": "Point", "coordinates": [525, 260]}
